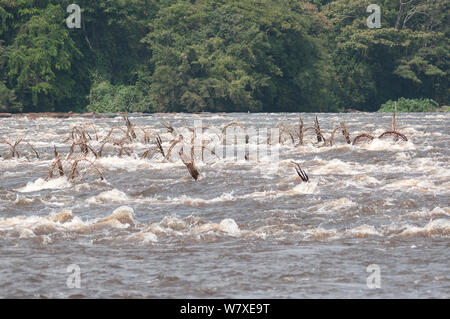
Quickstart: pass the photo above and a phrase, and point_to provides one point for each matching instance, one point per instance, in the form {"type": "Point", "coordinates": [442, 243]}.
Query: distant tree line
{"type": "Point", "coordinates": [221, 55]}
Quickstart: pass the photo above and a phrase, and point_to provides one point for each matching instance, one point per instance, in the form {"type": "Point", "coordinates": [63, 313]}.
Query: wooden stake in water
{"type": "Point", "coordinates": [300, 172]}
{"type": "Point", "coordinates": [394, 119]}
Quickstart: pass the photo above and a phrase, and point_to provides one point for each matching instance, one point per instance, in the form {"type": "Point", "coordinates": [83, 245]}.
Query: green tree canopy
{"type": "Point", "coordinates": [408, 56]}
{"type": "Point", "coordinates": [218, 55]}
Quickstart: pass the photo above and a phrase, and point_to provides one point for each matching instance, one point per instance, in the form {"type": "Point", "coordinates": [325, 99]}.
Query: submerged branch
{"type": "Point", "coordinates": [300, 172]}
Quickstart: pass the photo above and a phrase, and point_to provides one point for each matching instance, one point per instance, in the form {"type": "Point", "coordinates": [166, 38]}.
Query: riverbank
{"type": "Point", "coordinates": [444, 108]}
{"type": "Point", "coordinates": [60, 115]}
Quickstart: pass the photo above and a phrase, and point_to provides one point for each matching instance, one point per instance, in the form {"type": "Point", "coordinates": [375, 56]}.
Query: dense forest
{"type": "Point", "coordinates": [221, 55]}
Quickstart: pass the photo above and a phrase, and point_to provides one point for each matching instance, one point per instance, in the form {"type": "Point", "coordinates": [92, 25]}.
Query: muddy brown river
{"type": "Point", "coordinates": [373, 221]}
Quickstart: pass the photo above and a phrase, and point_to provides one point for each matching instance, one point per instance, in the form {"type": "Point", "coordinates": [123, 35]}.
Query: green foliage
{"type": "Point", "coordinates": [107, 98]}
{"type": "Point", "coordinates": [39, 61]}
{"type": "Point", "coordinates": [111, 35]}
{"type": "Point", "coordinates": [221, 55]}
{"type": "Point", "coordinates": [197, 65]}
{"type": "Point", "coordinates": [410, 105]}
{"type": "Point", "coordinates": [8, 100]}
{"type": "Point", "coordinates": [238, 56]}
{"type": "Point", "coordinates": [5, 16]}
{"type": "Point", "coordinates": [408, 56]}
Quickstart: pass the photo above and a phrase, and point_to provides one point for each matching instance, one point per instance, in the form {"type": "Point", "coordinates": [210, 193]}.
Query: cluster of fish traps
{"type": "Point", "coordinates": [80, 158]}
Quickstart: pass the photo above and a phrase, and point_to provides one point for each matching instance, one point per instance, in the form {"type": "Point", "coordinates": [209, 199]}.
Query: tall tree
{"type": "Point", "coordinates": [237, 56]}
{"type": "Point", "coordinates": [407, 57]}
{"type": "Point", "coordinates": [39, 61]}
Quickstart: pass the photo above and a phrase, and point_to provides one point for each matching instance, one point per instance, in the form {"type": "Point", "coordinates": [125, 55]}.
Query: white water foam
{"type": "Point", "coordinates": [112, 196]}
{"type": "Point", "coordinates": [41, 184]}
